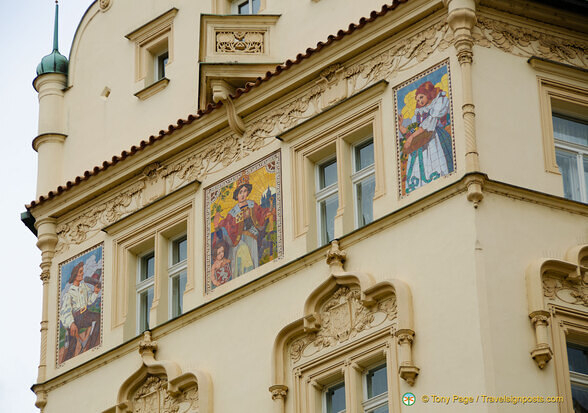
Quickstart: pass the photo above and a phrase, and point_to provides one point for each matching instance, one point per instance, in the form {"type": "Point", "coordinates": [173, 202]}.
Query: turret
{"type": "Point", "coordinates": [50, 83]}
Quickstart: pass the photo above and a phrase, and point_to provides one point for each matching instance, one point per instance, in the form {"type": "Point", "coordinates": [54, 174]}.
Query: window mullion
{"type": "Point", "coordinates": [581, 177]}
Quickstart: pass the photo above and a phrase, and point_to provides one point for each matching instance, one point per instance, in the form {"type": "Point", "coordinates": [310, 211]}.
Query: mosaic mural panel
{"type": "Point", "coordinates": [80, 304]}
{"type": "Point", "coordinates": [425, 143]}
{"type": "Point", "coordinates": [243, 221]}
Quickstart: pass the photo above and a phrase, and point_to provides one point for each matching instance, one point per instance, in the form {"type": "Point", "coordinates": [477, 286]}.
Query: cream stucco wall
{"type": "Point", "coordinates": [463, 252]}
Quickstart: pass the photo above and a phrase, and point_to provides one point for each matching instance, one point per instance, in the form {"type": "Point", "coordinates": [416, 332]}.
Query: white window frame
{"type": "Point", "coordinates": [322, 194]}
{"type": "Point", "coordinates": [580, 151]}
{"type": "Point", "coordinates": [237, 3]}
{"type": "Point", "coordinates": [174, 271]}
{"type": "Point", "coordinates": [357, 177]}
{"type": "Point", "coordinates": [381, 400]}
{"type": "Point", "coordinates": [143, 287]}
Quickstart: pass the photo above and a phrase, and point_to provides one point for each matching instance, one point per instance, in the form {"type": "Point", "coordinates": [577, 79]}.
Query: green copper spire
{"type": "Point", "coordinates": [54, 62]}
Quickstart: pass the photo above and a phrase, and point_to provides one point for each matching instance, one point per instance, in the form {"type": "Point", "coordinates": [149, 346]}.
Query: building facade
{"type": "Point", "coordinates": [393, 219]}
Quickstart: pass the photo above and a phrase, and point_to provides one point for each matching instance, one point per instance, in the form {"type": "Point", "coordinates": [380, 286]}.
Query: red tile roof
{"type": "Point", "coordinates": [191, 118]}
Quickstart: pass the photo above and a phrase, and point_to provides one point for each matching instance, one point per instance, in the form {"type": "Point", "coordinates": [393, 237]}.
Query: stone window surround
{"type": "Point", "coordinates": [151, 40]}
{"type": "Point", "coordinates": [562, 89]}
{"type": "Point", "coordinates": [151, 229]}
{"type": "Point", "coordinates": [352, 128]}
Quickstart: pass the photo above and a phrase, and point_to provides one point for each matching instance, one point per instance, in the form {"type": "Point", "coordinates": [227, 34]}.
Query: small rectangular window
{"type": "Point", "coordinates": [249, 7]}
{"type": "Point", "coordinates": [571, 153]}
{"type": "Point", "coordinates": [335, 398]}
{"type": "Point", "coordinates": [178, 274]}
{"type": "Point", "coordinates": [147, 266]}
{"type": "Point", "coordinates": [327, 200]}
{"type": "Point", "coordinates": [364, 182]}
{"type": "Point", "coordinates": [578, 365]}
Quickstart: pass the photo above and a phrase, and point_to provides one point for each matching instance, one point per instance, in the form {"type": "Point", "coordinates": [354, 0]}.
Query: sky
{"type": "Point", "coordinates": [27, 33]}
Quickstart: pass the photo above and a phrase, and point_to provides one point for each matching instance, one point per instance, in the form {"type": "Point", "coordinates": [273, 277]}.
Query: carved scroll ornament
{"type": "Point", "coordinates": [343, 317]}
{"type": "Point", "coordinates": [570, 292]}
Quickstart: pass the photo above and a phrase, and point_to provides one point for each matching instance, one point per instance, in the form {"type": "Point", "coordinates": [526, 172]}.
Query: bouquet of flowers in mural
{"type": "Point", "coordinates": [244, 221]}
{"type": "Point", "coordinates": [425, 141]}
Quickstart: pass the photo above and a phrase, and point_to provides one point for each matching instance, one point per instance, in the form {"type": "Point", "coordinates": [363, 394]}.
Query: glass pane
{"type": "Point", "coordinates": [377, 381]}
{"type": "Point", "coordinates": [381, 409]}
{"type": "Point", "coordinates": [364, 155]}
{"type": "Point", "coordinates": [161, 62]}
{"type": "Point", "coordinates": [256, 4]}
{"type": "Point", "coordinates": [328, 209]}
{"type": "Point", "coordinates": [178, 288]}
{"type": "Point", "coordinates": [579, 398]}
{"type": "Point", "coordinates": [568, 130]}
{"type": "Point", "coordinates": [180, 250]}
{"type": "Point", "coordinates": [145, 301]}
{"type": "Point", "coordinates": [568, 166]}
{"type": "Point", "coordinates": [147, 266]}
{"type": "Point", "coordinates": [365, 200]}
{"type": "Point", "coordinates": [244, 8]}
{"type": "Point", "coordinates": [328, 173]}
{"type": "Point", "coordinates": [336, 398]}
{"type": "Point", "coordinates": [578, 358]}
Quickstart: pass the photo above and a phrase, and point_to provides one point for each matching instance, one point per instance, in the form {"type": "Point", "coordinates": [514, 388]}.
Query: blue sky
{"type": "Point", "coordinates": [27, 30]}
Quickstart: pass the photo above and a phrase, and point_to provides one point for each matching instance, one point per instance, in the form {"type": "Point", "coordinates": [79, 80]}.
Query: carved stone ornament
{"type": "Point", "coordinates": [525, 42]}
{"type": "Point", "coordinates": [152, 397]}
{"type": "Point", "coordinates": [343, 317]}
{"type": "Point", "coordinates": [105, 4]}
{"type": "Point", "coordinates": [336, 257]}
{"type": "Point", "coordinates": [240, 42]}
{"type": "Point", "coordinates": [570, 292]}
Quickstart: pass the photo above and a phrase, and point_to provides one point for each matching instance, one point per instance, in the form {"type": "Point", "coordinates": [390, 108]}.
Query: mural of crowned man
{"type": "Point", "coordinates": [243, 231]}
{"type": "Point", "coordinates": [80, 321]}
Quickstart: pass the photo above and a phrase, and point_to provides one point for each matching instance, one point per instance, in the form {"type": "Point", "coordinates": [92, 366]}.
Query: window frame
{"type": "Point", "coordinates": [360, 176]}
{"type": "Point", "coordinates": [323, 194]}
{"type": "Point", "coordinates": [236, 4]}
{"type": "Point", "coordinates": [567, 325]}
{"type": "Point", "coordinates": [371, 404]}
{"type": "Point", "coordinates": [333, 134]}
{"type": "Point", "coordinates": [175, 270]}
{"type": "Point", "coordinates": [143, 287]}
{"type": "Point", "coordinates": [579, 151]}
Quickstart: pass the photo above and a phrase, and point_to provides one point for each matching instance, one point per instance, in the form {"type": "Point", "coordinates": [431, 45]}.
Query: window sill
{"type": "Point", "coordinates": [152, 89]}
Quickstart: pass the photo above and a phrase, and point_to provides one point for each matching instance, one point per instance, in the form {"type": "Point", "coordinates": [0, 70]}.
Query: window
{"type": "Point", "coordinates": [364, 182]}
{"type": "Point", "coordinates": [177, 273]}
{"type": "Point", "coordinates": [335, 398]}
{"type": "Point", "coordinates": [578, 366]}
{"type": "Point", "coordinates": [153, 53]}
{"type": "Point", "coordinates": [247, 7]}
{"type": "Point", "coordinates": [376, 390]}
{"type": "Point", "coordinates": [571, 153]}
{"type": "Point", "coordinates": [327, 200]}
{"type": "Point", "coordinates": [160, 63]}
{"type": "Point", "coordinates": [145, 289]}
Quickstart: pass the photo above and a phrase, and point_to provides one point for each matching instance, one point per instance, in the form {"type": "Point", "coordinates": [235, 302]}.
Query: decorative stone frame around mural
{"type": "Point", "coordinates": [564, 90]}
{"type": "Point", "coordinates": [551, 283]}
{"type": "Point", "coordinates": [161, 386]}
{"type": "Point", "coordinates": [349, 322]}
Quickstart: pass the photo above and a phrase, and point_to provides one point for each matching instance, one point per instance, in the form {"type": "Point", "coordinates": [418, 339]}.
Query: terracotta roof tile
{"type": "Point", "coordinates": [211, 107]}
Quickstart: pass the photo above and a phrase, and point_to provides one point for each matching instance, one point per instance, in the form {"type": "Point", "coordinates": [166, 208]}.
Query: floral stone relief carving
{"type": "Point", "coordinates": [152, 397]}
{"type": "Point", "coordinates": [570, 292]}
{"type": "Point", "coordinates": [239, 42]}
{"type": "Point", "coordinates": [526, 42]}
{"type": "Point", "coordinates": [343, 317]}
